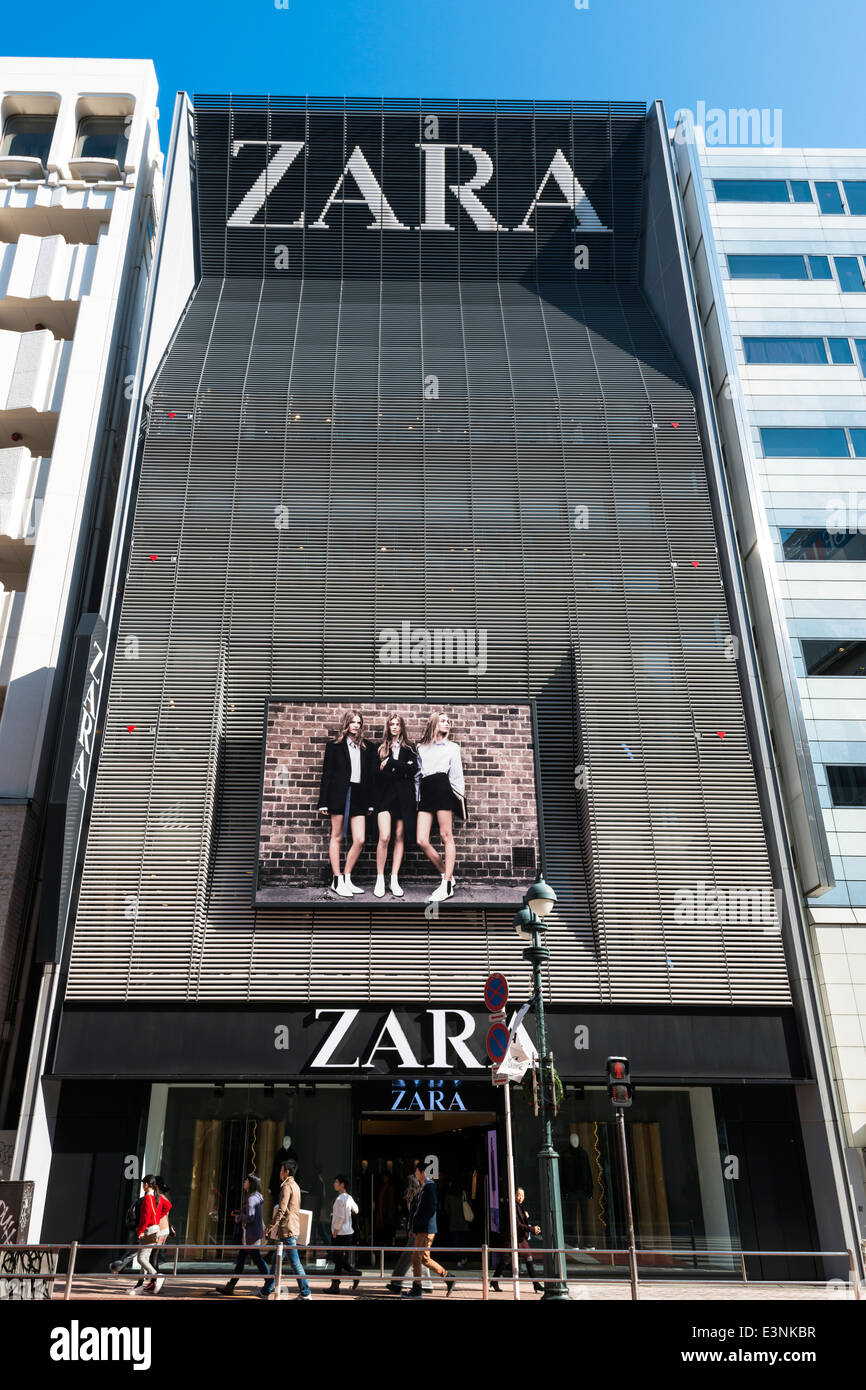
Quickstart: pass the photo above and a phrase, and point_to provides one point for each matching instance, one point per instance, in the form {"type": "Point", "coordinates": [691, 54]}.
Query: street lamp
{"type": "Point", "coordinates": [529, 923]}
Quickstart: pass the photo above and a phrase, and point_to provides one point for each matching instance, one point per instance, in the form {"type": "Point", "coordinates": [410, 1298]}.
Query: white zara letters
{"type": "Point", "coordinates": [369, 191]}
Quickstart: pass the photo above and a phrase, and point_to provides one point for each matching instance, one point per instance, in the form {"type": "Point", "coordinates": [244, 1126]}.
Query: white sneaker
{"type": "Point", "coordinates": [395, 887]}
{"type": "Point", "coordinates": [351, 887]}
{"type": "Point", "coordinates": [445, 890]}
{"type": "Point", "coordinates": [159, 1283]}
{"type": "Point", "coordinates": [379, 890]}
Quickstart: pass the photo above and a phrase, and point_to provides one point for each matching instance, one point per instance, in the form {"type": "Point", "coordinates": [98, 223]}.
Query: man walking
{"type": "Point", "coordinates": [423, 1226]}
{"type": "Point", "coordinates": [404, 1264]}
{"type": "Point", "coordinates": [343, 1233]}
{"type": "Point", "coordinates": [285, 1226]}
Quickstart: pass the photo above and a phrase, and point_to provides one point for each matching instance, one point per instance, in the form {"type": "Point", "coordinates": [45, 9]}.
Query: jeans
{"type": "Point", "coordinates": [145, 1253]}
{"type": "Point", "coordinates": [292, 1260]}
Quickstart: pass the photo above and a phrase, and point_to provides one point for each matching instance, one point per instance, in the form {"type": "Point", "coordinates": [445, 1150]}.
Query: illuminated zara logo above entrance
{"type": "Point", "coordinates": [357, 184]}
{"type": "Point", "coordinates": [427, 1094]}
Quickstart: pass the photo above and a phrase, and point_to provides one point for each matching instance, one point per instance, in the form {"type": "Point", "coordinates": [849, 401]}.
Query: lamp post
{"type": "Point", "coordinates": [529, 923]}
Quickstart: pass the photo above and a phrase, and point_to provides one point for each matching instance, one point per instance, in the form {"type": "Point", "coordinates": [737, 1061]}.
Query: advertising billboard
{"type": "Point", "coordinates": [375, 804]}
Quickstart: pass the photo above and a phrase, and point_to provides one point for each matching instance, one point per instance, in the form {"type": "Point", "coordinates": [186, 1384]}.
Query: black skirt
{"type": "Point", "coordinates": [436, 793]}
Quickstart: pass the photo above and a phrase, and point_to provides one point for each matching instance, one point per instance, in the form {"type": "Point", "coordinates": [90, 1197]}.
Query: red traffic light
{"type": "Point", "coordinates": [619, 1088]}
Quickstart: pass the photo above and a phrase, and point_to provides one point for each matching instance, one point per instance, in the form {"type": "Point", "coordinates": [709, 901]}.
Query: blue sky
{"type": "Point", "coordinates": [803, 58]}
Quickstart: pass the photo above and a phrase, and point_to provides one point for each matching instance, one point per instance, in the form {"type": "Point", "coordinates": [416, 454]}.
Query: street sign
{"type": "Point", "coordinates": [497, 1041]}
{"type": "Point", "coordinates": [496, 992]}
{"type": "Point", "coordinates": [499, 1080]}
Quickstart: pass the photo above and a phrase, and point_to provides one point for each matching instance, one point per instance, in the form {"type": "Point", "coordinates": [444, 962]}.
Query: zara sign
{"type": "Point", "coordinates": [357, 184]}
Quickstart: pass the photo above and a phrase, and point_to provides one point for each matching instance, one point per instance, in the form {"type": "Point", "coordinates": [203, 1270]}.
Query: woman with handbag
{"type": "Point", "coordinates": [441, 793]}
{"type": "Point", "coordinates": [252, 1227]}
{"type": "Point", "coordinates": [154, 1206]}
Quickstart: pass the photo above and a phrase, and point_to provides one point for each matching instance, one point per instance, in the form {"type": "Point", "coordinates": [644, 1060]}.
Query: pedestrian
{"type": "Point", "coordinates": [342, 1233]}
{"type": "Point", "coordinates": [525, 1230]}
{"type": "Point", "coordinates": [153, 1207]}
{"type": "Point", "coordinates": [410, 1191]}
{"type": "Point", "coordinates": [251, 1221]}
{"type": "Point", "coordinates": [285, 1226]}
{"type": "Point", "coordinates": [424, 1233]}
{"type": "Point", "coordinates": [133, 1213]}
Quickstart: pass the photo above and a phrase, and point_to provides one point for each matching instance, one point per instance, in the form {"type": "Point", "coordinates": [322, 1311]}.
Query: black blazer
{"type": "Point", "coordinates": [337, 773]}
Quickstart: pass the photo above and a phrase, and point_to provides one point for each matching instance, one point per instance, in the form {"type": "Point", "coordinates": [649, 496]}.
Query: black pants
{"type": "Point", "coordinates": [343, 1260]}
{"type": "Point", "coordinates": [248, 1252]}
{"type": "Point", "coordinates": [523, 1258]}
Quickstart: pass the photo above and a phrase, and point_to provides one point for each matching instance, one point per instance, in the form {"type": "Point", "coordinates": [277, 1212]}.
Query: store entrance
{"type": "Point", "coordinates": [454, 1148]}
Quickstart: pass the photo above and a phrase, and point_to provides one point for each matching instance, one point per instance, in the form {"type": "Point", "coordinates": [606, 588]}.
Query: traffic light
{"type": "Point", "coordinates": [619, 1088]}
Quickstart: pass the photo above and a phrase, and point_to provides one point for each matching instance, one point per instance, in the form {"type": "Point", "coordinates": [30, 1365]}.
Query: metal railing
{"type": "Point", "coordinates": [279, 1274]}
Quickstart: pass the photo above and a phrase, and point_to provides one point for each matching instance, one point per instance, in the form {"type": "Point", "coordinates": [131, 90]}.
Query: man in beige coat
{"type": "Point", "coordinates": [285, 1226]}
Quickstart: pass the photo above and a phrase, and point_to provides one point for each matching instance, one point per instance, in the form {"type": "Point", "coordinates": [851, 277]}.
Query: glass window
{"type": "Point", "coordinates": [819, 267]}
{"type": "Point", "coordinates": [801, 191]}
{"type": "Point", "coordinates": [858, 439]}
{"type": "Point", "coordinates": [767, 267]}
{"type": "Point", "coordinates": [751, 190]}
{"type": "Point", "coordinates": [813, 543]}
{"type": "Point", "coordinates": [847, 785]}
{"type": "Point", "coordinates": [834, 658]}
{"type": "Point", "coordinates": [850, 274]}
{"type": "Point", "coordinates": [28, 136]}
{"type": "Point", "coordinates": [856, 195]}
{"type": "Point", "coordinates": [860, 345]}
{"type": "Point", "coordinates": [829, 197]}
{"type": "Point", "coordinates": [101, 137]}
{"type": "Point", "coordinates": [840, 350]}
{"type": "Point", "coordinates": [804, 443]}
{"type": "Point", "coordinates": [799, 351]}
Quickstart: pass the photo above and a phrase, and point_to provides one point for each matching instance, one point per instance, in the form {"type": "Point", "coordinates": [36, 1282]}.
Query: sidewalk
{"type": "Point", "coordinates": [177, 1289]}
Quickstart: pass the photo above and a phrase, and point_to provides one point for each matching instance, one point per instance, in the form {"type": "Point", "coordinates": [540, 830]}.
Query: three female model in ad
{"type": "Point", "coordinates": [406, 785]}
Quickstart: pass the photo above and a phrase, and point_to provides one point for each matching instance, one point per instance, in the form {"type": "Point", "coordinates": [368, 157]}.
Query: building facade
{"type": "Point", "coordinates": [80, 191]}
{"type": "Point", "coordinates": [776, 237]}
{"type": "Point", "coordinates": [432, 436]}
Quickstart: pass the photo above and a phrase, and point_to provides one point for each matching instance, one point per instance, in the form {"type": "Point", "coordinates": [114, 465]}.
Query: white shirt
{"type": "Point", "coordinates": [355, 760]}
{"type": "Point", "coordinates": [442, 757]}
{"type": "Point", "coordinates": [395, 749]}
{"type": "Point", "coordinates": [341, 1216]}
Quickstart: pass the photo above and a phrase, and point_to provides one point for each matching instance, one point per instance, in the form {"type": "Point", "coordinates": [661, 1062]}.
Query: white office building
{"type": "Point", "coordinates": [80, 192]}
{"type": "Point", "coordinates": [777, 239]}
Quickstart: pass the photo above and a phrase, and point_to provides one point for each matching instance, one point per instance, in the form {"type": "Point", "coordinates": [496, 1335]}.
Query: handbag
{"type": "Point", "coordinates": [468, 1213]}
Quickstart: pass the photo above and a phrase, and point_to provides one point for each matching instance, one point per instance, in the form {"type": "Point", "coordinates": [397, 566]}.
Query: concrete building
{"type": "Point", "coordinates": [80, 195]}
{"type": "Point", "coordinates": [777, 240]}
{"type": "Point", "coordinates": [440, 366]}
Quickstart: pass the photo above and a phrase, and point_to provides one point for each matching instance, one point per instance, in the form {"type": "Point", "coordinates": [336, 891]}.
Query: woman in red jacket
{"type": "Point", "coordinates": [154, 1208]}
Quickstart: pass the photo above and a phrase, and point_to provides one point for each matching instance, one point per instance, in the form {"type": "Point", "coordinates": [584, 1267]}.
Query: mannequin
{"type": "Point", "coordinates": [580, 1185]}
{"type": "Point", "coordinates": [284, 1152]}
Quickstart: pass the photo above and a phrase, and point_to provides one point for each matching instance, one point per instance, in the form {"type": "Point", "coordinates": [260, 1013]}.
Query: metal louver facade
{"type": "Point", "coordinates": [400, 414]}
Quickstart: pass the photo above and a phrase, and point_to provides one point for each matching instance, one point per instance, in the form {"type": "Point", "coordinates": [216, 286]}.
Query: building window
{"type": "Point", "coordinates": [800, 190]}
{"type": "Point", "coordinates": [856, 195]}
{"type": "Point", "coordinates": [804, 443]}
{"type": "Point", "coordinates": [829, 197]}
{"type": "Point", "coordinates": [775, 351]}
{"type": "Point", "coordinates": [819, 267]}
{"type": "Point", "coordinates": [751, 190]}
{"type": "Point", "coordinates": [860, 345]}
{"type": "Point", "coordinates": [847, 785]}
{"type": "Point", "coordinates": [850, 274]}
{"type": "Point", "coordinates": [101, 137]}
{"type": "Point", "coordinates": [814, 543]}
{"type": "Point", "coordinates": [28, 137]}
{"type": "Point", "coordinates": [834, 658]}
{"type": "Point", "coordinates": [767, 267]}
{"type": "Point", "coordinates": [858, 440]}
{"type": "Point", "coordinates": [840, 351]}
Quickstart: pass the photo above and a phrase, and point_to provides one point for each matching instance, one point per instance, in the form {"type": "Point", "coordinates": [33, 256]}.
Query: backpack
{"type": "Point", "coordinates": [132, 1214]}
